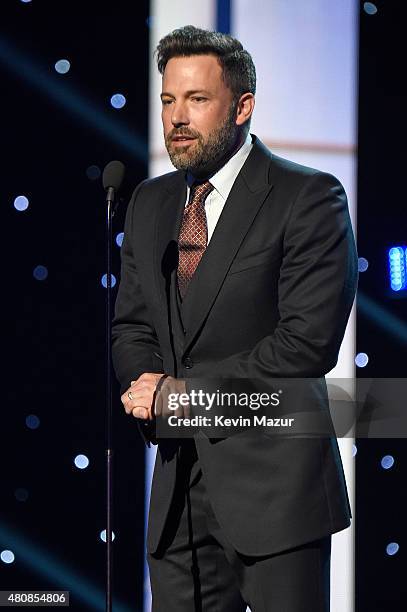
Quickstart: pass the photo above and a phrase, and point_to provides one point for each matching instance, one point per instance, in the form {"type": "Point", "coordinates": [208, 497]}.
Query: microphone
{"type": "Point", "coordinates": [112, 179]}
{"type": "Point", "coordinates": [113, 175]}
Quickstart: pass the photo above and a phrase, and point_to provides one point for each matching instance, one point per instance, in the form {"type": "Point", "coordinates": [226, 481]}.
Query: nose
{"type": "Point", "coordinates": [179, 115]}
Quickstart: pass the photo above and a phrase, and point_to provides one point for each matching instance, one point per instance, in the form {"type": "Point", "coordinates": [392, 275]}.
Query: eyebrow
{"type": "Point", "coordinates": [190, 92]}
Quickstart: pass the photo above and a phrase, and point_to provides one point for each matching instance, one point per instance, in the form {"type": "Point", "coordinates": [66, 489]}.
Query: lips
{"type": "Point", "coordinates": [182, 138]}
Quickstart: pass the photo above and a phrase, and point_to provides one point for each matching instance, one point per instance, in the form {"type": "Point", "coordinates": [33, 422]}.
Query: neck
{"type": "Point", "coordinates": [208, 172]}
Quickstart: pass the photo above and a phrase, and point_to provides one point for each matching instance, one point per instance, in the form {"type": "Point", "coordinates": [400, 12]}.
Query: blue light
{"type": "Point", "coordinates": [103, 535]}
{"type": "Point", "coordinates": [25, 1]}
{"type": "Point", "coordinates": [387, 462]}
{"type": "Point", "coordinates": [7, 556]}
{"type": "Point", "coordinates": [32, 421]}
{"type": "Point", "coordinates": [21, 494]}
{"type": "Point", "coordinates": [118, 100]}
{"type": "Point", "coordinates": [40, 273]}
{"type": "Point", "coordinates": [361, 360]}
{"type": "Point", "coordinates": [21, 203]}
{"type": "Point", "coordinates": [119, 239]}
{"type": "Point", "coordinates": [363, 264]}
{"type": "Point", "coordinates": [397, 268]}
{"type": "Point", "coordinates": [81, 461]}
{"type": "Point", "coordinates": [354, 450]}
{"type": "Point", "coordinates": [392, 548]}
{"type": "Point", "coordinates": [62, 66]}
{"type": "Point", "coordinates": [370, 8]}
{"type": "Point", "coordinates": [104, 280]}
{"type": "Point", "coordinates": [93, 173]}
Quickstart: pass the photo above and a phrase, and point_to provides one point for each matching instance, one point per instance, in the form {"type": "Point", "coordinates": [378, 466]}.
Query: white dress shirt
{"type": "Point", "coordinates": [222, 182]}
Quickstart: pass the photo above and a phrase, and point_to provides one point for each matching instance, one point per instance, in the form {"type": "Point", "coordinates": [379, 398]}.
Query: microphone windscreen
{"type": "Point", "coordinates": [113, 175]}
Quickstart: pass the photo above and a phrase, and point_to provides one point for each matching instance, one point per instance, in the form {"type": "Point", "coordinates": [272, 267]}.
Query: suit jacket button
{"type": "Point", "coordinates": [188, 363]}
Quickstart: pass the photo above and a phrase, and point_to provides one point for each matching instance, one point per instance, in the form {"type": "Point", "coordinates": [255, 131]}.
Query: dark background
{"type": "Point", "coordinates": [53, 128]}
{"type": "Point", "coordinates": [55, 327]}
{"type": "Point", "coordinates": [381, 502]}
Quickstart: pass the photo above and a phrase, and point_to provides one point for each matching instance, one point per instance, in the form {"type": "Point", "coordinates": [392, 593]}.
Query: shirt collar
{"type": "Point", "coordinates": [224, 178]}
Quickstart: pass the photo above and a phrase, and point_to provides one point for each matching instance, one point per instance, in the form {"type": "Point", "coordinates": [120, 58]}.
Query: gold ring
{"type": "Point", "coordinates": [129, 395]}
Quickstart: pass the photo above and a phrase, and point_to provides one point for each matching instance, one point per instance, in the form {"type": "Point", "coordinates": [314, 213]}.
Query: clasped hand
{"type": "Point", "coordinates": [142, 401]}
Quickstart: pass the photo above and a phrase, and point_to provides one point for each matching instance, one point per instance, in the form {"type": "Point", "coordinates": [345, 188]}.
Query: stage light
{"type": "Point", "coordinates": [40, 273]}
{"type": "Point", "coordinates": [392, 548]}
{"type": "Point", "coordinates": [21, 494]}
{"type": "Point", "coordinates": [363, 264]}
{"type": "Point", "coordinates": [370, 8]}
{"type": "Point", "coordinates": [361, 360]}
{"type": "Point", "coordinates": [7, 556]}
{"type": "Point", "coordinates": [32, 421]}
{"type": "Point", "coordinates": [62, 66]}
{"type": "Point", "coordinates": [354, 450]}
{"type": "Point", "coordinates": [93, 173]}
{"type": "Point", "coordinates": [104, 280]}
{"type": "Point", "coordinates": [397, 268]}
{"type": "Point", "coordinates": [25, 1]}
{"type": "Point", "coordinates": [103, 535]}
{"type": "Point", "coordinates": [387, 462]}
{"type": "Point", "coordinates": [21, 203]}
{"type": "Point", "coordinates": [118, 100]}
{"type": "Point", "coordinates": [81, 461]}
{"type": "Point", "coordinates": [119, 239]}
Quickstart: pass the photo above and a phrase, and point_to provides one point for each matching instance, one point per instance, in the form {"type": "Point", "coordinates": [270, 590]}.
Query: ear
{"type": "Point", "coordinates": [245, 108]}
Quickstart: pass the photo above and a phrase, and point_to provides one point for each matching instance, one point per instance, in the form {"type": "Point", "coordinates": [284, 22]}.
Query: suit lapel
{"type": "Point", "coordinates": [248, 193]}
{"type": "Point", "coordinates": [166, 247]}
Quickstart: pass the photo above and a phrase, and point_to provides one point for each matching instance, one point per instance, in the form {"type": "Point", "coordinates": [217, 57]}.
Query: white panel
{"type": "Point", "coordinates": [305, 55]}
{"type": "Point", "coordinates": [167, 16]}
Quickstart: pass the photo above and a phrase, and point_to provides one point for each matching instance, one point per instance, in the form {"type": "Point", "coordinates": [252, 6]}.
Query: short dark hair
{"type": "Point", "coordinates": [237, 65]}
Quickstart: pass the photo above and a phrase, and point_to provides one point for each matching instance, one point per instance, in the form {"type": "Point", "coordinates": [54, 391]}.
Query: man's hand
{"type": "Point", "coordinates": [138, 399]}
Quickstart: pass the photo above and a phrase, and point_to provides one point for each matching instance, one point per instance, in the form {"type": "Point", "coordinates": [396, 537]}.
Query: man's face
{"type": "Point", "coordinates": [198, 113]}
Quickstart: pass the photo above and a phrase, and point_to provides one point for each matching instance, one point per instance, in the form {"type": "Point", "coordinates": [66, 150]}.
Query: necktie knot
{"type": "Point", "coordinates": [199, 191]}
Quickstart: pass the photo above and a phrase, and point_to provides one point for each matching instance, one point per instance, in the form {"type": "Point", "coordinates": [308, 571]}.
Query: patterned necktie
{"type": "Point", "coordinates": [193, 235]}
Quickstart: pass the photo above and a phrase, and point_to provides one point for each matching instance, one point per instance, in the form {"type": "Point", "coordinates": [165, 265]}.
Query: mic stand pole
{"type": "Point", "coordinates": [109, 433]}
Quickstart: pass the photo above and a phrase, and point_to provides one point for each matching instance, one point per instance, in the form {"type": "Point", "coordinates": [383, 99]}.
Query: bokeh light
{"type": "Point", "coordinates": [32, 421]}
{"type": "Point", "coordinates": [370, 8]}
{"type": "Point", "coordinates": [7, 556]}
{"type": "Point", "coordinates": [40, 273]}
{"type": "Point", "coordinates": [93, 173]}
{"type": "Point", "coordinates": [392, 548]}
{"type": "Point", "coordinates": [118, 100]}
{"type": "Point", "coordinates": [104, 280]}
{"type": "Point", "coordinates": [103, 535]}
{"type": "Point", "coordinates": [387, 462]}
{"type": "Point", "coordinates": [81, 461]}
{"type": "Point", "coordinates": [361, 360]}
{"type": "Point", "coordinates": [62, 66]}
{"type": "Point", "coordinates": [21, 203]}
{"type": "Point", "coordinates": [363, 264]}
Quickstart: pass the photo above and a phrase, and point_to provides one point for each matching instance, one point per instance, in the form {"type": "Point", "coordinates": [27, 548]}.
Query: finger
{"type": "Point", "coordinates": [139, 400]}
{"type": "Point", "coordinates": [140, 412]}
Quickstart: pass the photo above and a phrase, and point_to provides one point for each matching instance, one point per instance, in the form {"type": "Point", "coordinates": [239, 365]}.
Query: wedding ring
{"type": "Point", "coordinates": [129, 395]}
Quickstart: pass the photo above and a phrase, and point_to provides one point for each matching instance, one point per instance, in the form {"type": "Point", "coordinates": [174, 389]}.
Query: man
{"type": "Point", "coordinates": [240, 264]}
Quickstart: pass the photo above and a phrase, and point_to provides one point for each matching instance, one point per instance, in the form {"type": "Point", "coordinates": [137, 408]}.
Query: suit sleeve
{"type": "Point", "coordinates": [316, 288]}
{"type": "Point", "coordinates": [134, 340]}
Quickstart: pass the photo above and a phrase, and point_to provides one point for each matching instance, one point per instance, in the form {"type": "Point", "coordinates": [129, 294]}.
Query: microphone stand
{"type": "Point", "coordinates": [109, 433]}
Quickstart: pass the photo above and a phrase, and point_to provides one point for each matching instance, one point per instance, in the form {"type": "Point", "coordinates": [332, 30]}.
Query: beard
{"type": "Point", "coordinates": [202, 157]}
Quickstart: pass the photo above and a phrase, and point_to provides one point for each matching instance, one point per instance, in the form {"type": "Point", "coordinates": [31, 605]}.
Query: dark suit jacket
{"type": "Point", "coordinates": [270, 298]}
